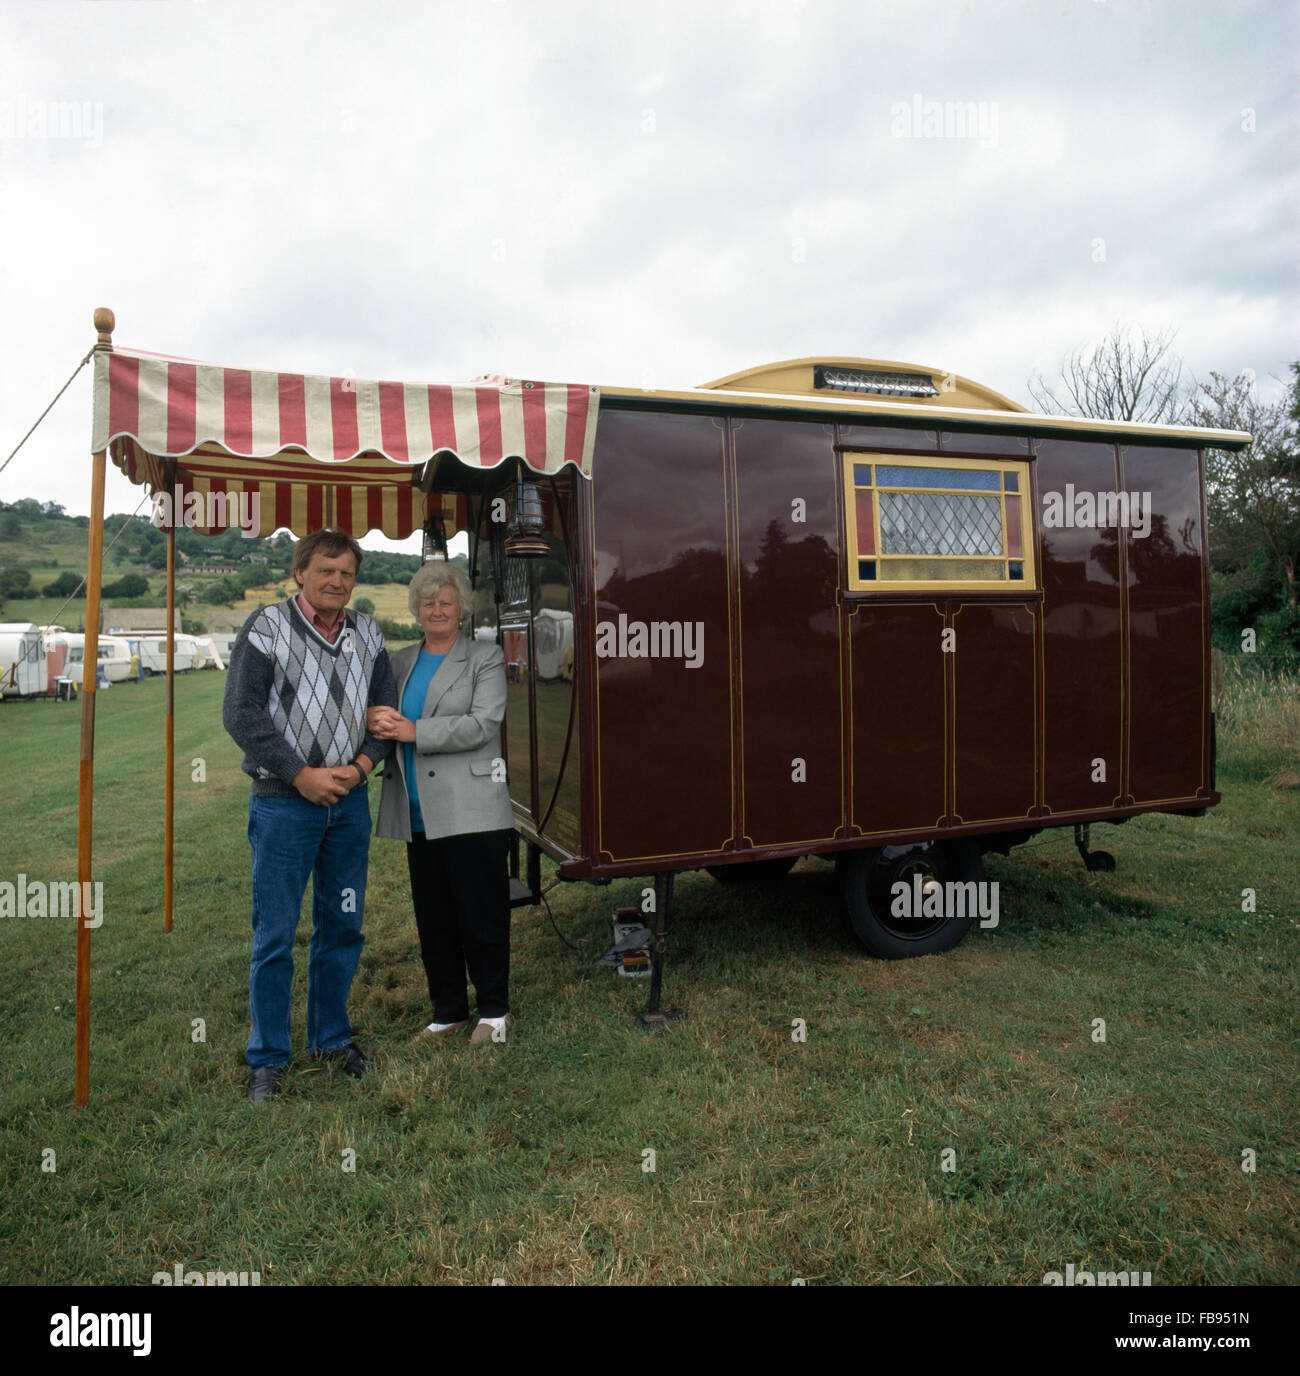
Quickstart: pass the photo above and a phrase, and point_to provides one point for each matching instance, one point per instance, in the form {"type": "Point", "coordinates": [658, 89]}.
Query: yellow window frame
{"type": "Point", "coordinates": [1019, 467]}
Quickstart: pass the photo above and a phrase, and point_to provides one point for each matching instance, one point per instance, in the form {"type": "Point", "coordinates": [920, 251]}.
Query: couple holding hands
{"type": "Point", "coordinates": [315, 703]}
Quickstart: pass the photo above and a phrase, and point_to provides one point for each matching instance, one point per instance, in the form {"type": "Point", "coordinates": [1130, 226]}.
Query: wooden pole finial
{"type": "Point", "coordinates": [104, 323]}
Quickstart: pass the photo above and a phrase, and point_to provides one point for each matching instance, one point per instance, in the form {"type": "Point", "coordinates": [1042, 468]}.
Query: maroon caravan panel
{"type": "Point", "coordinates": [1082, 668]}
{"type": "Point", "coordinates": [663, 764]}
{"type": "Point", "coordinates": [1166, 621]}
{"type": "Point", "coordinates": [792, 751]}
{"type": "Point", "coordinates": [993, 664]}
{"type": "Point", "coordinates": [899, 759]}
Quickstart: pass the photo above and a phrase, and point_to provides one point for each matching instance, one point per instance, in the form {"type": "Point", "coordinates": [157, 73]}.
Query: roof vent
{"type": "Point", "coordinates": [876, 383]}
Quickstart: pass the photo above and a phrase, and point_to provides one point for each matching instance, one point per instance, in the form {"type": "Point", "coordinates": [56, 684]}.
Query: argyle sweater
{"type": "Point", "coordinates": [293, 699]}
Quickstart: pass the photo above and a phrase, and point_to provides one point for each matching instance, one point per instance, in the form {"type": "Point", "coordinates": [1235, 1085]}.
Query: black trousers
{"type": "Point", "coordinates": [460, 886]}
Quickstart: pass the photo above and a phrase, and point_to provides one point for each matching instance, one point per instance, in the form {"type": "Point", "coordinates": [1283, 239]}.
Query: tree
{"type": "Point", "coordinates": [365, 606]}
{"type": "Point", "coordinates": [1254, 496]}
{"type": "Point", "coordinates": [129, 585]}
{"type": "Point", "coordinates": [15, 583]}
{"type": "Point", "coordinates": [1129, 375]}
{"type": "Point", "coordinates": [66, 585]}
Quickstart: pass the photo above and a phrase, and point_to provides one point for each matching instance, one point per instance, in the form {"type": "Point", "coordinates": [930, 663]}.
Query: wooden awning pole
{"type": "Point", "coordinates": [104, 323]}
{"type": "Point", "coordinates": [170, 730]}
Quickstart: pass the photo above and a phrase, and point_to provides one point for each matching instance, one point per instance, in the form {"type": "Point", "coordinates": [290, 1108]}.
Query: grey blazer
{"type": "Point", "coordinates": [457, 747]}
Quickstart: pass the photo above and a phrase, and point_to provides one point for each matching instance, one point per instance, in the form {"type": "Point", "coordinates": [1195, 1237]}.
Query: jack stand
{"type": "Point", "coordinates": [1093, 860]}
{"type": "Point", "coordinates": [654, 1016]}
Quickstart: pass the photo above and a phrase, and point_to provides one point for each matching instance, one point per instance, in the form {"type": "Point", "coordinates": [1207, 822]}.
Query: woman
{"type": "Point", "coordinates": [445, 795]}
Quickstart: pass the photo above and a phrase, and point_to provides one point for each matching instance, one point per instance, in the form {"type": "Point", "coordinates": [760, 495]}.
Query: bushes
{"type": "Point", "coordinates": [15, 583]}
{"type": "Point", "coordinates": [129, 585]}
{"type": "Point", "coordinates": [399, 630]}
{"type": "Point", "coordinates": [1279, 636]}
{"type": "Point", "coordinates": [66, 585]}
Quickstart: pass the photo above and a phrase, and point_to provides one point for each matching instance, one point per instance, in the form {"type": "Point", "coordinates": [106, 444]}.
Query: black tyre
{"type": "Point", "coordinates": [882, 918]}
{"type": "Point", "coordinates": [753, 871]}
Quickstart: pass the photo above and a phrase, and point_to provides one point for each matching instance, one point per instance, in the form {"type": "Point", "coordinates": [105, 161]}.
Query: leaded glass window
{"type": "Point", "coordinates": [925, 525]}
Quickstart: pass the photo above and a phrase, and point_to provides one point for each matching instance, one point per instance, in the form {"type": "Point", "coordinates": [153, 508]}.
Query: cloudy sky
{"type": "Point", "coordinates": [635, 195]}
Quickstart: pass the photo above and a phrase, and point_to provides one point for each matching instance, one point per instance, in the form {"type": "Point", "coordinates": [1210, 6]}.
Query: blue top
{"type": "Point", "coordinates": [417, 687]}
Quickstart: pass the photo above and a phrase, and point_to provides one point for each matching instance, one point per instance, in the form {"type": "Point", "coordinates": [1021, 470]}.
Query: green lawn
{"type": "Point", "coordinates": [774, 1158]}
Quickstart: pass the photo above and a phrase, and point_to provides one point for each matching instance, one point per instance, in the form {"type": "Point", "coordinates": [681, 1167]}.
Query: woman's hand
{"type": "Point", "coordinates": [388, 724]}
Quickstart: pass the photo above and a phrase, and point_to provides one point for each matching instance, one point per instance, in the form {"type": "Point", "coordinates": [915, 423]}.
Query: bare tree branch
{"type": "Point", "coordinates": [1129, 375]}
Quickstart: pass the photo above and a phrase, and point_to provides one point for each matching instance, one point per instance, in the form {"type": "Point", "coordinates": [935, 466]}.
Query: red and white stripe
{"type": "Point", "coordinates": [325, 450]}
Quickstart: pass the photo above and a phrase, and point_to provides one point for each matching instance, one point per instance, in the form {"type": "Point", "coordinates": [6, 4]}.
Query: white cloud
{"type": "Point", "coordinates": [614, 192]}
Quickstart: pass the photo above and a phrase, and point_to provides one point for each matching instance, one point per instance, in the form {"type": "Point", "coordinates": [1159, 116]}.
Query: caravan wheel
{"type": "Point", "coordinates": [867, 879]}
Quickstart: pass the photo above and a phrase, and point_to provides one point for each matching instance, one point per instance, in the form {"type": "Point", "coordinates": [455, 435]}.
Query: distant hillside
{"type": "Point", "coordinates": [43, 557]}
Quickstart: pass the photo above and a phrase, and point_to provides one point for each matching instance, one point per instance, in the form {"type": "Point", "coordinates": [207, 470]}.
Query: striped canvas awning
{"type": "Point", "coordinates": [321, 451]}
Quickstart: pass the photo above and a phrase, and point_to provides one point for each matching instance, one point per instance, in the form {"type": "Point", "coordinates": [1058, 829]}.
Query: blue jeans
{"type": "Point", "coordinates": [292, 840]}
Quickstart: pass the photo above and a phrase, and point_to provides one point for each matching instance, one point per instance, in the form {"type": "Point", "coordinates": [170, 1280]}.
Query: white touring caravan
{"type": "Point", "coordinates": [24, 672]}
{"type": "Point", "coordinates": [554, 637]}
{"type": "Point", "coordinates": [224, 642]}
{"type": "Point", "coordinates": [152, 650]}
{"type": "Point", "coordinates": [209, 656]}
{"type": "Point", "coordinates": [114, 657]}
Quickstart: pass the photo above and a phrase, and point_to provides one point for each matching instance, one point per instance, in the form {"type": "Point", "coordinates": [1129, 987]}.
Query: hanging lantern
{"type": "Point", "coordinates": [435, 534]}
{"type": "Point", "coordinates": [527, 521]}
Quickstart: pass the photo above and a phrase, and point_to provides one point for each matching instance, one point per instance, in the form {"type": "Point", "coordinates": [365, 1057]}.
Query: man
{"type": "Point", "coordinates": [302, 674]}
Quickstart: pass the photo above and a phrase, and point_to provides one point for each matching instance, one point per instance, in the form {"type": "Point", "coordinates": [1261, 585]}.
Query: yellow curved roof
{"type": "Point", "coordinates": [794, 376]}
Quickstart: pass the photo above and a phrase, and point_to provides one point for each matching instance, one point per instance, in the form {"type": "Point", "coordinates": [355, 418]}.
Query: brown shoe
{"type": "Point", "coordinates": [444, 1034]}
{"type": "Point", "coordinates": [482, 1034]}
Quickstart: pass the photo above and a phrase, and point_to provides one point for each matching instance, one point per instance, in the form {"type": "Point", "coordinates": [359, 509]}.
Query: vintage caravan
{"type": "Point", "coordinates": [861, 610]}
{"type": "Point", "coordinates": [24, 671]}
{"type": "Point", "coordinates": [838, 607]}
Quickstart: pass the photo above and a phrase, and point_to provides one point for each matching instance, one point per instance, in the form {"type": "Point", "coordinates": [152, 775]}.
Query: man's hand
{"type": "Point", "coordinates": [324, 786]}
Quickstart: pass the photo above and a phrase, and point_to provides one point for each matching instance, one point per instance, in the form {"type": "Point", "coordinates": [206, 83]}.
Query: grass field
{"type": "Point", "coordinates": [773, 1158]}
